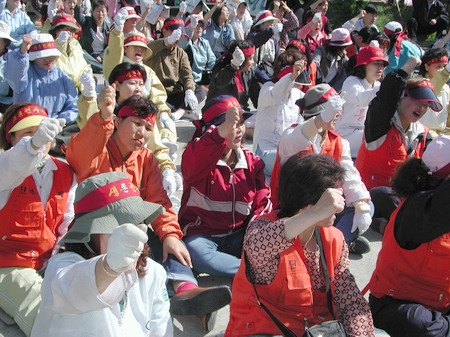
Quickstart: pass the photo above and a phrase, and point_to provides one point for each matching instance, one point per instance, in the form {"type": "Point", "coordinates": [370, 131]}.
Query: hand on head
{"type": "Point", "coordinates": [232, 120]}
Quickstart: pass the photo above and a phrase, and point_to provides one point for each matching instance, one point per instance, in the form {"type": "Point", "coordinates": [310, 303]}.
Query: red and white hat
{"type": "Point", "coordinates": [43, 45]}
{"type": "Point", "coordinates": [264, 16]}
{"type": "Point", "coordinates": [132, 14]}
{"type": "Point", "coordinates": [437, 156]}
{"type": "Point", "coordinates": [137, 39]}
{"type": "Point", "coordinates": [340, 37]}
{"type": "Point", "coordinates": [392, 28]}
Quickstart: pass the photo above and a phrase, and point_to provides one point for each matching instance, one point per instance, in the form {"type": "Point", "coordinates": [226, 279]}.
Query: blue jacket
{"type": "Point", "coordinates": [407, 50]}
{"type": "Point", "coordinates": [51, 89]}
{"type": "Point", "coordinates": [5, 94]}
{"type": "Point", "coordinates": [19, 23]}
{"type": "Point", "coordinates": [212, 33]}
{"type": "Point", "coordinates": [201, 57]}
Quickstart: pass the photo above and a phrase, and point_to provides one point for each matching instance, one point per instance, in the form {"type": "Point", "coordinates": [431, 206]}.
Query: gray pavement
{"type": "Point", "coordinates": [189, 326]}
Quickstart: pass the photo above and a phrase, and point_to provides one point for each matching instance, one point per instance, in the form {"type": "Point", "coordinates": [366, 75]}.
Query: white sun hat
{"type": "Point", "coordinates": [43, 45]}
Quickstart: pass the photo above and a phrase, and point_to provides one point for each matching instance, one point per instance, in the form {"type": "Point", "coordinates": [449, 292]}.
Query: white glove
{"type": "Point", "coordinates": [183, 7]}
{"type": "Point", "coordinates": [277, 28]}
{"type": "Point", "coordinates": [120, 18]}
{"type": "Point", "coordinates": [190, 99]}
{"type": "Point", "coordinates": [361, 221]}
{"type": "Point", "coordinates": [317, 17]}
{"type": "Point", "coordinates": [167, 122]}
{"type": "Point", "coordinates": [125, 245]}
{"type": "Point", "coordinates": [51, 14]}
{"type": "Point", "coordinates": [238, 57]}
{"type": "Point", "coordinates": [64, 36]}
{"type": "Point", "coordinates": [87, 80]}
{"type": "Point", "coordinates": [194, 21]}
{"type": "Point", "coordinates": [374, 43]}
{"type": "Point", "coordinates": [175, 36]}
{"type": "Point", "coordinates": [333, 105]}
{"type": "Point", "coordinates": [169, 182]}
{"type": "Point", "coordinates": [46, 132]}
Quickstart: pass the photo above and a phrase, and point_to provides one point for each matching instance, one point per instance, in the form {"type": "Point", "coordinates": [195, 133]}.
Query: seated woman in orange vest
{"type": "Point", "coordinates": [321, 107]}
{"type": "Point", "coordinates": [36, 207]}
{"type": "Point", "coordinates": [283, 255]}
{"type": "Point", "coordinates": [410, 292]}
{"type": "Point", "coordinates": [392, 133]}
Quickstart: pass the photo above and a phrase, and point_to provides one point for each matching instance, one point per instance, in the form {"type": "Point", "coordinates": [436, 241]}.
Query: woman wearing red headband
{"type": "Point", "coordinates": [233, 74]}
{"type": "Point", "coordinates": [435, 66]}
{"type": "Point", "coordinates": [36, 207]}
{"type": "Point", "coordinates": [225, 193]}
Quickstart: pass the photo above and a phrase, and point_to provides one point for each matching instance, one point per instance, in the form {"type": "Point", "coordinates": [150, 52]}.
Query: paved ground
{"type": "Point", "coordinates": [189, 326]}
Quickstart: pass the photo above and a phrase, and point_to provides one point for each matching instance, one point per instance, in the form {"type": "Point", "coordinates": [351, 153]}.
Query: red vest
{"type": "Point", "coordinates": [420, 275]}
{"type": "Point", "coordinates": [312, 76]}
{"type": "Point", "coordinates": [28, 230]}
{"type": "Point", "coordinates": [332, 146]}
{"type": "Point", "coordinates": [377, 167]}
{"type": "Point", "coordinates": [289, 297]}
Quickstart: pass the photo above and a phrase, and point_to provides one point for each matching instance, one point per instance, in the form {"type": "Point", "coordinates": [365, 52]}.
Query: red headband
{"type": "Point", "coordinates": [248, 51]}
{"type": "Point", "coordinates": [286, 70]}
{"type": "Point", "coordinates": [130, 75]}
{"type": "Point", "coordinates": [128, 111]}
{"type": "Point", "coordinates": [43, 46]}
{"type": "Point", "coordinates": [441, 59]}
{"type": "Point", "coordinates": [136, 38]}
{"type": "Point", "coordinates": [443, 172]}
{"type": "Point", "coordinates": [24, 112]}
{"type": "Point", "coordinates": [63, 19]}
{"type": "Point", "coordinates": [173, 24]}
{"type": "Point", "coordinates": [300, 46]}
{"type": "Point", "coordinates": [219, 108]}
{"type": "Point", "coordinates": [105, 195]}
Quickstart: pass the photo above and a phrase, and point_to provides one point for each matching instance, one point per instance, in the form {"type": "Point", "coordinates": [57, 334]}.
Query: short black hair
{"type": "Point", "coordinates": [124, 67]}
{"type": "Point", "coordinates": [304, 178]}
{"type": "Point", "coordinates": [428, 56]}
{"type": "Point", "coordinates": [371, 9]}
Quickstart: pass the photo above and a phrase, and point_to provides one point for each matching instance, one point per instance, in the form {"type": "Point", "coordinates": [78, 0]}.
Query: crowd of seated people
{"type": "Point", "coordinates": [341, 114]}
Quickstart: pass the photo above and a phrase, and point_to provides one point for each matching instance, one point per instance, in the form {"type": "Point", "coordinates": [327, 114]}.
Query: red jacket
{"type": "Point", "coordinates": [332, 146]}
{"type": "Point", "coordinates": [29, 229]}
{"type": "Point", "coordinates": [289, 297]}
{"type": "Point", "coordinates": [217, 200]}
{"type": "Point", "coordinates": [377, 167]}
{"type": "Point", "coordinates": [419, 275]}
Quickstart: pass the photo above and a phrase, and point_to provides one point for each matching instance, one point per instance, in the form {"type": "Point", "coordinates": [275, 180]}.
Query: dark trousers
{"type": "Point", "coordinates": [384, 201]}
{"type": "Point", "coordinates": [414, 29]}
{"type": "Point", "coordinates": [401, 318]}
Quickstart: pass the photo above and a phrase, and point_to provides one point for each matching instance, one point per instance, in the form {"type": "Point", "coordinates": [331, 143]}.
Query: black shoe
{"type": "Point", "coordinates": [208, 320]}
{"type": "Point", "coordinates": [360, 245]}
{"type": "Point", "coordinates": [200, 301]}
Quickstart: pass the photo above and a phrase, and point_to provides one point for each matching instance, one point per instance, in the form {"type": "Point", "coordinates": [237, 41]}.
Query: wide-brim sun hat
{"type": "Point", "coordinates": [340, 37]}
{"type": "Point", "coordinates": [315, 99]}
{"type": "Point", "coordinates": [43, 45]}
{"type": "Point", "coordinates": [264, 16]}
{"type": "Point", "coordinates": [424, 92]}
{"type": "Point", "coordinates": [437, 156]}
{"type": "Point", "coordinates": [132, 14]}
{"type": "Point", "coordinates": [64, 20]}
{"type": "Point", "coordinates": [5, 32]}
{"type": "Point", "coordinates": [104, 202]}
{"type": "Point", "coordinates": [370, 54]}
{"type": "Point", "coordinates": [137, 39]}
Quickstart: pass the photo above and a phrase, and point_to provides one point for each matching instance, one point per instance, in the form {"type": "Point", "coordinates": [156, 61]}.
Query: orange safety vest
{"type": "Point", "coordinates": [419, 275]}
{"type": "Point", "coordinates": [377, 166]}
{"type": "Point", "coordinates": [289, 297]}
{"type": "Point", "coordinates": [332, 146]}
{"type": "Point", "coordinates": [28, 231]}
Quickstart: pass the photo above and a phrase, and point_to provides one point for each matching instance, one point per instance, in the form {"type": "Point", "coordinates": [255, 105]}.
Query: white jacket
{"type": "Point", "coordinates": [350, 125]}
{"type": "Point", "coordinates": [301, 137]}
{"type": "Point", "coordinates": [72, 306]}
{"type": "Point", "coordinates": [276, 112]}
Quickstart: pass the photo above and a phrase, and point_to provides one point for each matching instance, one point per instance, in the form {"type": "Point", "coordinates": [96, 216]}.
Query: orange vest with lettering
{"type": "Point", "coordinates": [28, 230]}
{"type": "Point", "coordinates": [377, 167]}
{"type": "Point", "coordinates": [332, 146]}
{"type": "Point", "coordinates": [420, 275]}
{"type": "Point", "coordinates": [289, 297]}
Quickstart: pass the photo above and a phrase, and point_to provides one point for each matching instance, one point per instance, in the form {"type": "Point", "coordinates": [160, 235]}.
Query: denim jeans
{"type": "Point", "coordinates": [216, 256]}
{"type": "Point", "coordinates": [268, 158]}
{"type": "Point", "coordinates": [174, 269]}
{"type": "Point", "coordinates": [344, 222]}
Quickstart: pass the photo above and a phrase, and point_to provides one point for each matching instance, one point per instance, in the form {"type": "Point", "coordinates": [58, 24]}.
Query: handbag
{"type": "Point", "coordinates": [332, 328]}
